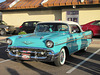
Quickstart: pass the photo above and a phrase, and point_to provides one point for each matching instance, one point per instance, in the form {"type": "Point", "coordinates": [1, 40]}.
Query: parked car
{"type": "Point", "coordinates": [5, 29]}
{"type": "Point", "coordinates": [28, 26]}
{"type": "Point", "coordinates": [94, 26]}
{"type": "Point", "coordinates": [51, 42]}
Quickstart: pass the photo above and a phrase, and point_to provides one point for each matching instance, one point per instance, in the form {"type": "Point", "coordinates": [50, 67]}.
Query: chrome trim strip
{"type": "Point", "coordinates": [31, 48]}
{"type": "Point", "coordinates": [13, 55]}
{"type": "Point", "coordinates": [31, 57]}
{"type": "Point", "coordinates": [70, 41]}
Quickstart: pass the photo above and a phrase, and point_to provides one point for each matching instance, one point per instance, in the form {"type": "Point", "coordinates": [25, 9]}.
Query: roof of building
{"type": "Point", "coordinates": [27, 4]}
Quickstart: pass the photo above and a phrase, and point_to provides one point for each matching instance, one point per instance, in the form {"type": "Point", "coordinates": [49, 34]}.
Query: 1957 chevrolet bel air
{"type": "Point", "coordinates": [51, 42]}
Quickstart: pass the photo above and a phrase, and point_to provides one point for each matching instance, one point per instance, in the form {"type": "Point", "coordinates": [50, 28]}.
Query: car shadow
{"type": "Point", "coordinates": [12, 71]}
{"type": "Point", "coordinates": [41, 72]}
{"type": "Point", "coordinates": [97, 37]}
{"type": "Point", "coordinates": [86, 54]}
{"type": "Point", "coordinates": [3, 54]}
{"type": "Point", "coordinates": [88, 66]}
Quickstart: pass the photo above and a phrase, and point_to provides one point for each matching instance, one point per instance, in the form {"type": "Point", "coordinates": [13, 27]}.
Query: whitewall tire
{"type": "Point", "coordinates": [60, 60]}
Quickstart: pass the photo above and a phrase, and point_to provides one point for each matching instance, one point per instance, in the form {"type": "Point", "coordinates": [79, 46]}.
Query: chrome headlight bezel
{"type": "Point", "coordinates": [49, 44]}
{"type": "Point", "coordinates": [9, 41]}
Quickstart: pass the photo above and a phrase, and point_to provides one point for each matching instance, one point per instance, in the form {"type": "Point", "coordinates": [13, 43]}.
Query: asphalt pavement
{"type": "Point", "coordinates": [80, 63]}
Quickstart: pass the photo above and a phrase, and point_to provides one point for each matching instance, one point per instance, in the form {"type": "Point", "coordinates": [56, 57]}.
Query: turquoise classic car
{"type": "Point", "coordinates": [51, 42]}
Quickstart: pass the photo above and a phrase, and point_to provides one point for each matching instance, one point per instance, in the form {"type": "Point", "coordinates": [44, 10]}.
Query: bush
{"type": "Point", "coordinates": [22, 32]}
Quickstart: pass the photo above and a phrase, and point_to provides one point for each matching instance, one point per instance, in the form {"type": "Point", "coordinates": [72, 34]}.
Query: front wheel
{"type": "Point", "coordinates": [60, 60]}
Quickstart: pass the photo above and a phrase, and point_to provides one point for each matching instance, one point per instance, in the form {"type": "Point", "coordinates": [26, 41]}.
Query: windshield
{"type": "Point", "coordinates": [50, 27]}
{"type": "Point", "coordinates": [2, 23]}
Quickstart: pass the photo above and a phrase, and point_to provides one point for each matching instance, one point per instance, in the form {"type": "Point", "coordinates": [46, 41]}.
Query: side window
{"type": "Point", "coordinates": [34, 23]}
{"type": "Point", "coordinates": [96, 23]}
{"type": "Point", "coordinates": [25, 24]}
{"type": "Point", "coordinates": [62, 27]}
{"type": "Point", "coordinates": [2, 23]}
{"type": "Point", "coordinates": [75, 29]}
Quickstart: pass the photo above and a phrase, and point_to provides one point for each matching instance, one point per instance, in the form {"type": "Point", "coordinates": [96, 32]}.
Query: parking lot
{"type": "Point", "coordinates": [80, 63]}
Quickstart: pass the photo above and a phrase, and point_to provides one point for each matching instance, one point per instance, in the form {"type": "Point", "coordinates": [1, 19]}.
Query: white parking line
{"type": "Point", "coordinates": [71, 70]}
{"type": "Point", "coordinates": [3, 46]}
{"type": "Point", "coordinates": [5, 61]}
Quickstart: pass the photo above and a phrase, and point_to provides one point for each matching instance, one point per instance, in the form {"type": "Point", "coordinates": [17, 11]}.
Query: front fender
{"type": "Point", "coordinates": [58, 47]}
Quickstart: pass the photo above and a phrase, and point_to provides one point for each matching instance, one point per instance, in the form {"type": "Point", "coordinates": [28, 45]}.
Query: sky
{"type": "Point", "coordinates": [2, 1]}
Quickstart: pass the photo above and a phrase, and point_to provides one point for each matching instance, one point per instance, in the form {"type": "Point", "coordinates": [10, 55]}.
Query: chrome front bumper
{"type": "Point", "coordinates": [38, 54]}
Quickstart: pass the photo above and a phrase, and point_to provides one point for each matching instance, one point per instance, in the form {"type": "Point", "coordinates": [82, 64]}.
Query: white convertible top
{"type": "Point", "coordinates": [66, 22]}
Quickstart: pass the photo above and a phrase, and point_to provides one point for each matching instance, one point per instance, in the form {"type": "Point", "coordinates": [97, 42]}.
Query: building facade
{"type": "Point", "coordinates": [15, 12]}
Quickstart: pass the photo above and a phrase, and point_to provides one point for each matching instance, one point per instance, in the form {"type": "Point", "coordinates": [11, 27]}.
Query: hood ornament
{"type": "Point", "coordinates": [27, 42]}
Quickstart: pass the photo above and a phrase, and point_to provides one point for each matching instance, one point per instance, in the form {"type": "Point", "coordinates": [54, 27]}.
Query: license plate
{"type": "Point", "coordinates": [25, 56]}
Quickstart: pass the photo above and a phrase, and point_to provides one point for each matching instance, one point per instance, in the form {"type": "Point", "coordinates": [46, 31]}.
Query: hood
{"type": "Point", "coordinates": [42, 35]}
{"type": "Point", "coordinates": [36, 39]}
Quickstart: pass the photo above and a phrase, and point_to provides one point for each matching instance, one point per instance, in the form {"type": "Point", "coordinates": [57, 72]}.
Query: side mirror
{"type": "Point", "coordinates": [74, 31]}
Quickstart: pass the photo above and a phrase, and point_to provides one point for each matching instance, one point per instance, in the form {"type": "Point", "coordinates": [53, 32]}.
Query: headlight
{"type": "Point", "coordinates": [49, 44]}
{"type": "Point", "coordinates": [9, 42]}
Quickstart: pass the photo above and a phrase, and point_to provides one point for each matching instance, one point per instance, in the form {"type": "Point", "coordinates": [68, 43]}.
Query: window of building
{"type": "Point", "coordinates": [72, 16]}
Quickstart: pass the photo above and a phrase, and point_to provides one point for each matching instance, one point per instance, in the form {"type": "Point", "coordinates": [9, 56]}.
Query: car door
{"type": "Point", "coordinates": [76, 38]}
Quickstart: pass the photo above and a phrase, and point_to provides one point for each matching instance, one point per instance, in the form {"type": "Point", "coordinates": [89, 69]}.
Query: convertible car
{"type": "Point", "coordinates": [51, 42]}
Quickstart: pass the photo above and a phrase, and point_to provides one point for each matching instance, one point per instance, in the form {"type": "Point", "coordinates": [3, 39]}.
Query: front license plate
{"type": "Point", "coordinates": [26, 56]}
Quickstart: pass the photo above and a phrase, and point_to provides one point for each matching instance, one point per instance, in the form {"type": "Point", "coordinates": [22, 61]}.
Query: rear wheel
{"type": "Point", "coordinates": [60, 60]}
{"type": "Point", "coordinates": [2, 32]}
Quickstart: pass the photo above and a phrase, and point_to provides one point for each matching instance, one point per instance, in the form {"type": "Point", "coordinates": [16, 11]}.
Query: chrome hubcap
{"type": "Point", "coordinates": [62, 56]}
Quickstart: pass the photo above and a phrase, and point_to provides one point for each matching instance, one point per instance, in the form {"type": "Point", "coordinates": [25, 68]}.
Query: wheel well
{"type": "Point", "coordinates": [67, 52]}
